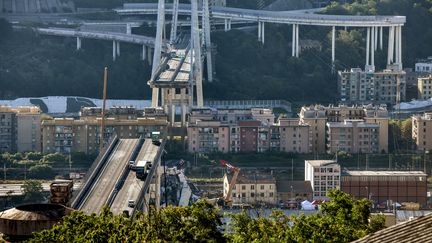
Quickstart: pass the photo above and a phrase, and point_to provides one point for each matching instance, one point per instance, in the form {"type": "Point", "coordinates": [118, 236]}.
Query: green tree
{"type": "Point", "coordinates": [42, 171]}
{"type": "Point", "coordinates": [343, 219]}
{"type": "Point", "coordinates": [34, 155]}
{"type": "Point", "coordinates": [33, 191]}
{"type": "Point", "coordinates": [197, 223]}
{"type": "Point", "coordinates": [55, 158]}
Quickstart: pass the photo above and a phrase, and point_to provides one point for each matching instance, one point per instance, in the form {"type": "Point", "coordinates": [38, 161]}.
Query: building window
{"type": "Point", "coordinates": [271, 194]}
{"type": "Point", "coordinates": [262, 194]}
{"type": "Point", "coordinates": [252, 187]}
{"type": "Point", "coordinates": [262, 187]}
{"type": "Point", "coordinates": [243, 194]}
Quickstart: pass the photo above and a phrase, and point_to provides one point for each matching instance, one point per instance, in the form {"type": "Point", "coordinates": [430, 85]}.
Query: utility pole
{"type": "Point", "coordinates": [102, 129]}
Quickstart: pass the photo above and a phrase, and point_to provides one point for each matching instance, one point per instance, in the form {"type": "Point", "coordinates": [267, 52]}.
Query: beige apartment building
{"type": "Point", "coordinates": [28, 129]}
{"type": "Point", "coordinates": [67, 135]}
{"type": "Point", "coordinates": [317, 117]}
{"type": "Point", "coordinates": [424, 86]}
{"type": "Point", "coordinates": [20, 129]}
{"type": "Point", "coordinates": [295, 136]}
{"type": "Point", "coordinates": [324, 175]}
{"type": "Point", "coordinates": [422, 131]}
{"type": "Point", "coordinates": [353, 136]}
{"type": "Point", "coordinates": [251, 130]}
{"type": "Point", "coordinates": [252, 188]}
{"type": "Point", "coordinates": [381, 87]}
{"type": "Point", "coordinates": [208, 136]}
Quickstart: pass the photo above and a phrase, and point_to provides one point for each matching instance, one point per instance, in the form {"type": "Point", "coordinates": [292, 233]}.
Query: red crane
{"type": "Point", "coordinates": [236, 171]}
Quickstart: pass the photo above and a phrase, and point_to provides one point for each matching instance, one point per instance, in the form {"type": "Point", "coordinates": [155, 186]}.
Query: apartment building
{"type": "Point", "coordinates": [295, 136]}
{"type": "Point", "coordinates": [424, 87]}
{"type": "Point", "coordinates": [252, 188]}
{"type": "Point", "coordinates": [208, 136]}
{"type": "Point", "coordinates": [422, 131]}
{"type": "Point", "coordinates": [317, 117]}
{"type": "Point", "coordinates": [67, 135]}
{"type": "Point", "coordinates": [20, 129]}
{"type": "Point", "coordinates": [28, 129]}
{"type": "Point", "coordinates": [424, 65]}
{"type": "Point", "coordinates": [381, 87]}
{"type": "Point", "coordinates": [353, 136]}
{"type": "Point", "coordinates": [381, 186]}
{"type": "Point", "coordinates": [323, 175]}
{"type": "Point", "coordinates": [251, 130]}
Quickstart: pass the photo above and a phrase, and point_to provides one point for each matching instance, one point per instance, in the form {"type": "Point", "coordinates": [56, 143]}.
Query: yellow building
{"type": "Point", "coordinates": [424, 86]}
{"type": "Point", "coordinates": [317, 116]}
{"type": "Point", "coordinates": [252, 188]}
{"type": "Point", "coordinates": [67, 135]}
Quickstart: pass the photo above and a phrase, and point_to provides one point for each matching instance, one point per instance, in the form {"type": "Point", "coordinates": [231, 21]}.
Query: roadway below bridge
{"type": "Point", "coordinates": [105, 184]}
{"type": "Point", "coordinates": [132, 186]}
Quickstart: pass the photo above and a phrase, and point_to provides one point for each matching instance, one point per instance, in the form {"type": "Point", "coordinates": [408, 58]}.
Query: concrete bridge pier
{"type": "Point", "coordinates": [295, 40]}
{"type": "Point", "coordinates": [78, 43]}
{"type": "Point", "coordinates": [114, 52]}
{"type": "Point", "coordinates": [333, 46]}
{"type": "Point", "coordinates": [149, 55]}
{"type": "Point", "coordinates": [227, 25]}
{"type": "Point", "coordinates": [14, 7]}
{"type": "Point", "coordinates": [390, 48]}
{"type": "Point", "coordinates": [262, 31]}
{"type": "Point", "coordinates": [143, 54]}
{"type": "Point", "coordinates": [26, 6]}
{"type": "Point", "coordinates": [381, 38]}
{"type": "Point", "coordinates": [38, 6]}
{"type": "Point", "coordinates": [118, 48]}
{"type": "Point", "coordinates": [128, 29]}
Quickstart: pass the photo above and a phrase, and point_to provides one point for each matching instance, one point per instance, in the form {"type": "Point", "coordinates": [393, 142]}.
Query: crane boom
{"type": "Point", "coordinates": [233, 179]}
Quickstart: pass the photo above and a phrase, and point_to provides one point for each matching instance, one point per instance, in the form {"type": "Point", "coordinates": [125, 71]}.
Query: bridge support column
{"type": "Point", "coordinates": [375, 38]}
{"type": "Point", "coordinates": [14, 8]}
{"type": "Point", "coordinates": [173, 113]}
{"type": "Point", "coordinates": [226, 25]}
{"type": "Point", "coordinates": [38, 6]}
{"type": "Point", "coordinates": [390, 50]}
{"type": "Point", "coordinates": [128, 29]}
{"type": "Point", "coordinates": [207, 39]}
{"type": "Point", "coordinates": [143, 54]}
{"type": "Point", "coordinates": [26, 6]}
{"type": "Point", "coordinates": [118, 48]}
{"type": "Point", "coordinates": [367, 45]}
{"type": "Point", "coordinates": [78, 43]}
{"type": "Point", "coordinates": [196, 47]}
{"type": "Point", "coordinates": [229, 24]}
{"type": "Point", "coordinates": [297, 41]}
{"type": "Point", "coordinates": [262, 32]}
{"type": "Point", "coordinates": [373, 47]}
{"type": "Point", "coordinates": [259, 30]}
{"type": "Point", "coordinates": [293, 40]}
{"type": "Point", "coordinates": [114, 52]}
{"type": "Point", "coordinates": [381, 38]}
{"type": "Point", "coordinates": [400, 47]}
{"type": "Point", "coordinates": [183, 114]}
{"type": "Point", "coordinates": [174, 21]}
{"type": "Point", "coordinates": [333, 45]}
{"type": "Point", "coordinates": [149, 55]}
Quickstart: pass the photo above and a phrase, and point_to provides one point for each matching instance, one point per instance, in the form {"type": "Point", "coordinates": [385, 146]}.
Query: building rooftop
{"type": "Point", "coordinates": [318, 163]}
{"type": "Point", "coordinates": [294, 186]}
{"type": "Point", "coordinates": [416, 230]}
{"type": "Point", "coordinates": [350, 123]}
{"type": "Point", "coordinates": [253, 178]}
{"type": "Point", "coordinates": [383, 173]}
